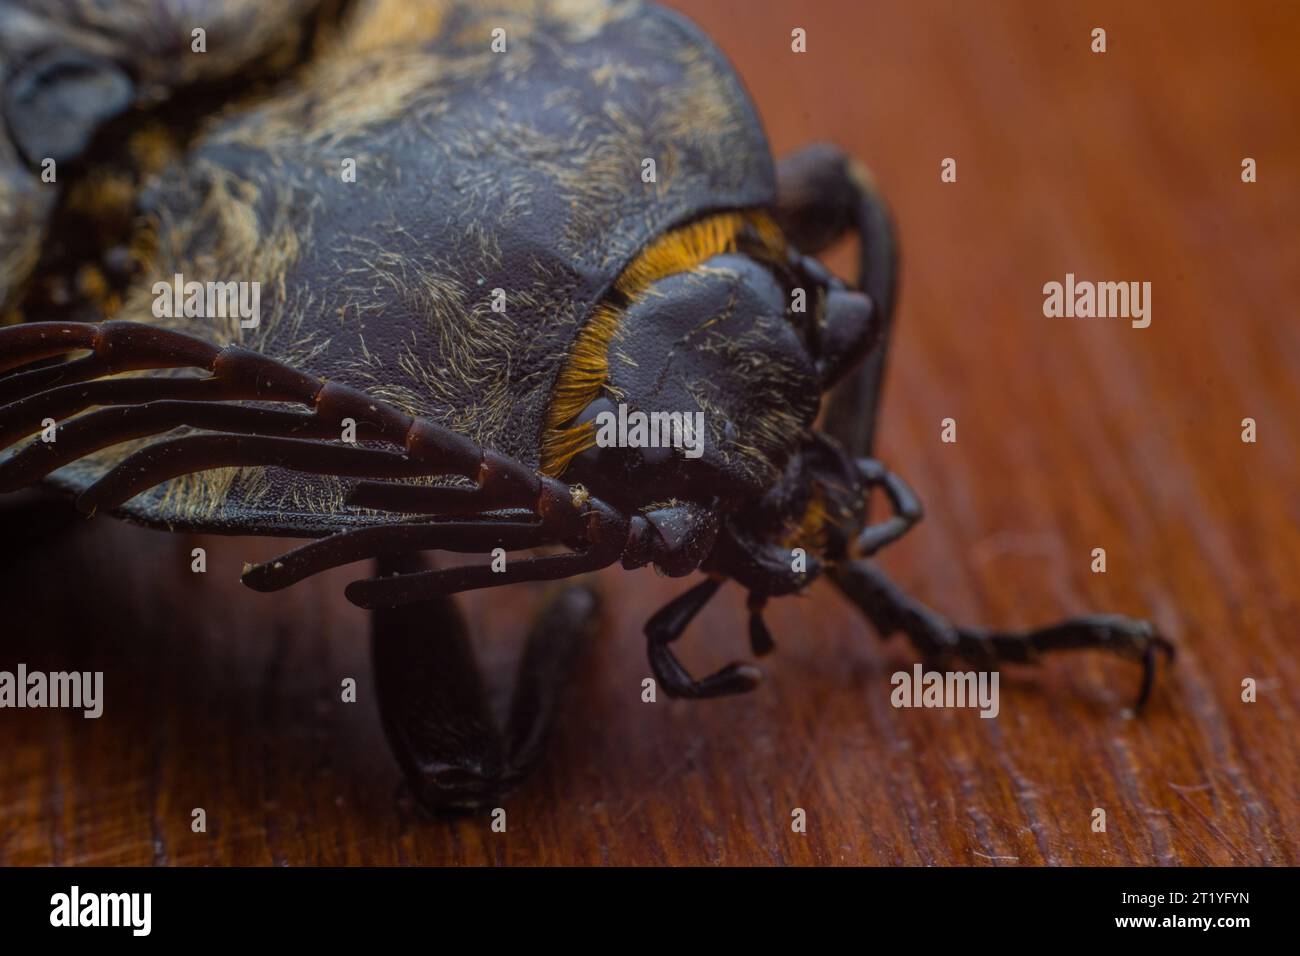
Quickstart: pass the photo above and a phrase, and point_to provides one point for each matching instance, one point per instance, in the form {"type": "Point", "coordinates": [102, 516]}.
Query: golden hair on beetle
{"type": "Point", "coordinates": [587, 368]}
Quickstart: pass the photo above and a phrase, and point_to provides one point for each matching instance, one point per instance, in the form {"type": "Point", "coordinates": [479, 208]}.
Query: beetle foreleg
{"type": "Point", "coordinates": [906, 506]}
{"type": "Point", "coordinates": [891, 611]}
{"type": "Point", "coordinates": [667, 625]}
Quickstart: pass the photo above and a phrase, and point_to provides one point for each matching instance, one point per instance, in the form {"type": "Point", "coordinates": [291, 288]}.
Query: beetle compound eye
{"type": "Point", "coordinates": [56, 103]}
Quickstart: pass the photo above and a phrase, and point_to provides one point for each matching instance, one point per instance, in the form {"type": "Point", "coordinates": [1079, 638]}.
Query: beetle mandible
{"type": "Point", "coordinates": [495, 274]}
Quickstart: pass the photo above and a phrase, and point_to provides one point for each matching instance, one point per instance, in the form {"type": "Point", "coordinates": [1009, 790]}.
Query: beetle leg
{"type": "Point", "coordinates": [169, 459]}
{"type": "Point", "coordinates": [269, 437]}
{"type": "Point", "coordinates": [406, 588]}
{"type": "Point", "coordinates": [117, 347]}
{"type": "Point", "coordinates": [602, 531]}
{"type": "Point", "coordinates": [554, 644]}
{"type": "Point", "coordinates": [598, 534]}
{"type": "Point", "coordinates": [667, 625]}
{"type": "Point", "coordinates": [23, 417]}
{"type": "Point", "coordinates": [358, 544]}
{"type": "Point", "coordinates": [822, 192]}
{"type": "Point", "coordinates": [891, 611]}
{"type": "Point", "coordinates": [110, 426]}
{"type": "Point", "coordinates": [434, 704]}
{"type": "Point", "coordinates": [244, 436]}
{"type": "Point", "coordinates": [236, 374]}
{"type": "Point", "coordinates": [906, 506]}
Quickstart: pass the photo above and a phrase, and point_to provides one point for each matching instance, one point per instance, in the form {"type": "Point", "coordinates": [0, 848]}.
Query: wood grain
{"type": "Point", "coordinates": [1072, 434]}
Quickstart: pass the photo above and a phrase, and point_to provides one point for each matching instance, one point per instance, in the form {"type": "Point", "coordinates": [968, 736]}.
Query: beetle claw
{"type": "Point", "coordinates": [1157, 644]}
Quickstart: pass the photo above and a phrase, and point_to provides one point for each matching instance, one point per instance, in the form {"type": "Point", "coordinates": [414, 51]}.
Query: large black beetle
{"type": "Point", "coordinates": [474, 227]}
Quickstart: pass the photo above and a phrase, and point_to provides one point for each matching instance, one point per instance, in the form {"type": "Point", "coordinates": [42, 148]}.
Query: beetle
{"type": "Point", "coordinates": [440, 334]}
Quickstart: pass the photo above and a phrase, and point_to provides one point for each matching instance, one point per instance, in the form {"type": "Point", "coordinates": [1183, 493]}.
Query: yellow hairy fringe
{"type": "Point", "coordinates": [812, 526]}
{"type": "Point", "coordinates": [387, 23]}
{"type": "Point", "coordinates": [683, 249]}
{"type": "Point", "coordinates": [577, 387]}
{"type": "Point", "coordinates": [587, 368]}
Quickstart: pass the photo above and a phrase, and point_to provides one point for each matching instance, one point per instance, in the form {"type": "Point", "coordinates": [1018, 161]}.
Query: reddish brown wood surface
{"type": "Point", "coordinates": [1072, 434]}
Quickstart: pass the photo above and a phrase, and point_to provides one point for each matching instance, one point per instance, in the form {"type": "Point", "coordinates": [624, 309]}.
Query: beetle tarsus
{"type": "Point", "coordinates": [891, 611]}
{"type": "Point", "coordinates": [667, 625]}
{"type": "Point", "coordinates": [902, 499]}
